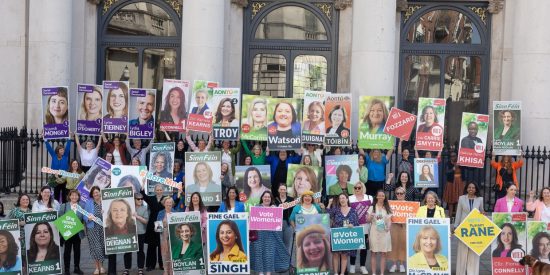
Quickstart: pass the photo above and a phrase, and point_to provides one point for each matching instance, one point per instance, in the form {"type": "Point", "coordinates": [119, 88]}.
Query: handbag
{"type": "Point", "coordinates": [253, 235]}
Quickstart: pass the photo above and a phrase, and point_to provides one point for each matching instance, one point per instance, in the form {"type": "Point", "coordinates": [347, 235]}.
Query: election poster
{"type": "Point", "coordinates": [90, 109]}
{"type": "Point", "coordinates": [175, 103]}
{"type": "Point", "coordinates": [338, 120]}
{"type": "Point", "coordinates": [400, 124]}
{"type": "Point", "coordinates": [266, 218]}
{"type": "Point", "coordinates": [227, 111]}
{"type": "Point", "coordinates": [161, 167]}
{"type": "Point", "coordinates": [477, 231]}
{"type": "Point", "coordinates": [115, 106]}
{"type": "Point", "coordinates": [119, 224]}
{"type": "Point", "coordinates": [9, 233]}
{"type": "Point", "coordinates": [507, 127]}
{"type": "Point", "coordinates": [301, 178]}
{"type": "Point", "coordinates": [200, 116]}
{"type": "Point", "coordinates": [538, 241]}
{"type": "Point", "coordinates": [347, 238]}
{"type": "Point", "coordinates": [185, 238]}
{"type": "Point", "coordinates": [252, 182]}
{"type": "Point", "coordinates": [222, 244]}
{"type": "Point", "coordinates": [361, 208]}
{"type": "Point", "coordinates": [373, 115]}
{"type": "Point", "coordinates": [284, 129]}
{"type": "Point", "coordinates": [341, 173]}
{"type": "Point", "coordinates": [128, 176]}
{"type": "Point", "coordinates": [68, 225]}
{"type": "Point", "coordinates": [473, 140]}
{"type": "Point", "coordinates": [313, 128]}
{"type": "Point", "coordinates": [254, 117]}
{"type": "Point", "coordinates": [430, 124]}
{"type": "Point", "coordinates": [428, 246]}
{"type": "Point", "coordinates": [510, 245]}
{"type": "Point", "coordinates": [99, 175]}
{"type": "Point", "coordinates": [55, 112]}
{"type": "Point", "coordinates": [203, 171]}
{"type": "Point", "coordinates": [142, 104]}
{"type": "Point", "coordinates": [426, 173]}
{"type": "Point", "coordinates": [401, 210]}
{"type": "Point", "coordinates": [314, 228]}
{"type": "Point", "coordinates": [40, 235]}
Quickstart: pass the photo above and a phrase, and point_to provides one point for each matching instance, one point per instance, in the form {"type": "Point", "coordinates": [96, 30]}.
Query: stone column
{"type": "Point", "coordinates": [50, 27]}
{"type": "Point", "coordinates": [531, 68]}
{"type": "Point", "coordinates": [202, 44]}
{"type": "Point", "coordinates": [373, 51]}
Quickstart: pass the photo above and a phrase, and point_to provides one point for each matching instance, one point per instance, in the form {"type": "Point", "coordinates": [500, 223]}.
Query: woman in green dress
{"type": "Point", "coordinates": [184, 246]}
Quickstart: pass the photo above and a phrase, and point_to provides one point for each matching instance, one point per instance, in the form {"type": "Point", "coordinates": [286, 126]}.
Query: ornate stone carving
{"type": "Point", "coordinates": [411, 9]}
{"type": "Point", "coordinates": [495, 6]}
{"type": "Point", "coordinates": [401, 5]}
{"type": "Point", "coordinates": [342, 4]}
{"type": "Point", "coordinates": [326, 9]}
{"type": "Point", "coordinates": [481, 12]}
{"type": "Point", "coordinates": [107, 5]}
{"type": "Point", "coordinates": [256, 7]}
{"type": "Point", "coordinates": [176, 5]}
{"type": "Point", "coordinates": [240, 3]}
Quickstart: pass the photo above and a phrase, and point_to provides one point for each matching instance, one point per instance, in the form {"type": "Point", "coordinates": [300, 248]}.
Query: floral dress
{"type": "Point", "coordinates": [339, 220]}
{"type": "Point", "coordinates": [96, 237]}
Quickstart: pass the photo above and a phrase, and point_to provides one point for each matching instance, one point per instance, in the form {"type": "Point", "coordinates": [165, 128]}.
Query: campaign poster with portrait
{"type": "Point", "coordinates": [142, 104]}
{"type": "Point", "coordinates": [400, 124]}
{"type": "Point", "coordinates": [40, 235]}
{"type": "Point", "coordinates": [202, 174]}
{"type": "Point", "coordinates": [313, 126]}
{"type": "Point", "coordinates": [9, 233]}
{"type": "Point", "coordinates": [55, 112]}
{"type": "Point", "coordinates": [426, 173]}
{"type": "Point", "coordinates": [254, 117]}
{"type": "Point", "coordinates": [90, 109]}
{"type": "Point", "coordinates": [227, 111]}
{"type": "Point", "coordinates": [128, 176]}
{"type": "Point", "coordinates": [507, 128]}
{"type": "Point", "coordinates": [338, 120]}
{"type": "Point", "coordinates": [228, 230]}
{"type": "Point", "coordinates": [99, 175]}
{"type": "Point", "coordinates": [175, 104]}
{"type": "Point", "coordinates": [115, 106]}
{"type": "Point", "coordinates": [301, 178]}
{"type": "Point", "coordinates": [538, 241]}
{"type": "Point", "coordinates": [428, 240]}
{"type": "Point", "coordinates": [510, 244]}
{"type": "Point", "coordinates": [313, 229]}
{"type": "Point", "coordinates": [284, 129]}
{"type": "Point", "coordinates": [161, 167]}
{"type": "Point", "coordinates": [373, 115]}
{"type": "Point", "coordinates": [201, 112]}
{"type": "Point", "coordinates": [119, 222]}
{"type": "Point", "coordinates": [185, 238]}
{"type": "Point", "coordinates": [477, 231]}
{"type": "Point", "coordinates": [252, 182]}
{"type": "Point", "coordinates": [473, 140]}
{"type": "Point", "coordinates": [341, 172]}
{"type": "Point", "coordinates": [430, 124]}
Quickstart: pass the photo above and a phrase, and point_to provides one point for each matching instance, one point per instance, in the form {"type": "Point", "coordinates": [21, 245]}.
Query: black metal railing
{"type": "Point", "coordinates": [23, 154]}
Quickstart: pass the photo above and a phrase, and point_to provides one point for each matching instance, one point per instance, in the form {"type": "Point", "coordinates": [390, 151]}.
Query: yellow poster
{"type": "Point", "coordinates": [477, 231]}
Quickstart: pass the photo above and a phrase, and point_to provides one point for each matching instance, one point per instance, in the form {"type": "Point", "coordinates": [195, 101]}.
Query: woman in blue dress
{"type": "Point", "coordinates": [342, 215]}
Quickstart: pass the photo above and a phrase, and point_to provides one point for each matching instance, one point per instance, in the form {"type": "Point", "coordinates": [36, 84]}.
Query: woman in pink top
{"type": "Point", "coordinates": [196, 204]}
{"type": "Point", "coordinates": [541, 206]}
{"type": "Point", "coordinates": [509, 203]}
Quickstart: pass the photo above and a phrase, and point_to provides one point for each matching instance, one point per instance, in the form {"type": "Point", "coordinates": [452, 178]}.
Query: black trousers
{"type": "Point", "coordinates": [153, 250]}
{"type": "Point", "coordinates": [362, 254]}
{"type": "Point", "coordinates": [373, 187]}
{"type": "Point", "coordinates": [74, 244]}
{"type": "Point", "coordinates": [111, 267]}
{"type": "Point", "coordinates": [60, 192]}
{"type": "Point", "coordinates": [140, 254]}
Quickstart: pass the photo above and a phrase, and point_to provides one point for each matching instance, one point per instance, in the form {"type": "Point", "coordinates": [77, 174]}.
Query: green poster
{"type": "Point", "coordinates": [41, 224]}
{"type": "Point", "coordinates": [373, 113]}
{"type": "Point", "coordinates": [186, 248]}
{"type": "Point", "coordinates": [68, 225]}
{"type": "Point", "coordinates": [254, 117]}
{"type": "Point", "coordinates": [9, 232]}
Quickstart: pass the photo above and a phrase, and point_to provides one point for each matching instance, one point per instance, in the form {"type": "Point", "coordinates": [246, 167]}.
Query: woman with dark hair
{"type": "Point", "coordinates": [429, 119]}
{"type": "Point", "coordinates": [130, 181]}
{"type": "Point", "coordinates": [403, 180]}
{"type": "Point", "coordinates": [225, 114]}
{"type": "Point", "coordinates": [119, 220]}
{"type": "Point", "coordinates": [268, 252]}
{"type": "Point", "coordinates": [9, 260]}
{"type": "Point", "coordinates": [226, 177]}
{"type": "Point", "coordinates": [338, 119]}
{"type": "Point", "coordinates": [231, 248]}
{"type": "Point", "coordinates": [506, 172]}
{"type": "Point", "coordinates": [426, 173]}
{"type": "Point", "coordinates": [403, 161]}
{"type": "Point", "coordinates": [22, 207]}
{"type": "Point", "coordinates": [342, 215]}
{"type": "Point", "coordinates": [253, 184]}
{"type": "Point", "coordinates": [94, 230]}
{"type": "Point", "coordinates": [509, 203]}
{"type": "Point", "coordinates": [2, 215]}
{"type": "Point", "coordinates": [285, 121]}
{"type": "Point", "coordinates": [168, 204]}
{"type": "Point", "coordinates": [342, 185]}
{"type": "Point", "coordinates": [283, 200]}
{"type": "Point", "coordinates": [541, 206]}
{"type": "Point", "coordinates": [375, 116]}
{"type": "Point", "coordinates": [507, 241]}
{"type": "Point", "coordinates": [455, 186]}
{"type": "Point", "coordinates": [184, 247]}
{"type": "Point", "coordinates": [175, 110]}
{"type": "Point", "coordinates": [541, 247]}
{"type": "Point", "coordinates": [42, 244]}
{"type": "Point", "coordinates": [379, 215]}
{"type": "Point", "coordinates": [109, 158]}
{"type": "Point", "coordinates": [196, 204]}
{"type": "Point", "coordinates": [73, 243]}
{"type": "Point", "coordinates": [56, 111]}
{"type": "Point", "coordinates": [117, 102]}
{"type": "Point", "coordinates": [72, 183]}
{"type": "Point", "coordinates": [117, 148]}
{"type": "Point", "coordinates": [231, 203]}
{"type": "Point", "coordinates": [97, 177]}
{"type": "Point", "coordinates": [60, 161]}
{"type": "Point", "coordinates": [376, 164]}
{"type": "Point", "coordinates": [44, 201]}
{"type": "Point", "coordinates": [467, 259]}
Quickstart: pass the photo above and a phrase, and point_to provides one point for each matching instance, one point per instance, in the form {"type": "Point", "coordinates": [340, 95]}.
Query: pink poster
{"type": "Point", "coordinates": [266, 218]}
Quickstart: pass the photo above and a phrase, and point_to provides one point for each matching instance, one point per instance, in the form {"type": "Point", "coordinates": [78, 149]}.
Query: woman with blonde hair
{"type": "Point", "coordinates": [375, 116]}
{"type": "Point", "coordinates": [90, 108]}
{"type": "Point", "coordinates": [431, 207]}
{"type": "Point", "coordinates": [313, 239]}
{"type": "Point", "coordinates": [257, 110]}
{"type": "Point", "coordinates": [359, 195]}
{"type": "Point", "coordinates": [315, 123]}
{"type": "Point", "coordinates": [398, 233]}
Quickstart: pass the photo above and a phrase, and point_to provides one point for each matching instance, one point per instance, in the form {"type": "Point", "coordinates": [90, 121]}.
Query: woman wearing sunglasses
{"type": "Point", "coordinates": [398, 253]}
{"type": "Point", "coordinates": [359, 195]}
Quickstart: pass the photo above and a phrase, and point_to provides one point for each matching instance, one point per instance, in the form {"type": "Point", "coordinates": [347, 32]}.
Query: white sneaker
{"type": "Point", "coordinates": [402, 268]}
{"type": "Point", "coordinates": [364, 270]}
{"type": "Point", "coordinates": [352, 269]}
{"type": "Point", "coordinates": [393, 268]}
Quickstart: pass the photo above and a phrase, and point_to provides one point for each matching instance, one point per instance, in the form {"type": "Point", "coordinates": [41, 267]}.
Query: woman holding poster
{"type": "Point", "coordinates": [375, 116]}
{"type": "Point", "coordinates": [117, 102]}
{"type": "Point", "coordinates": [229, 246]}
{"type": "Point", "coordinates": [338, 119]}
{"type": "Point", "coordinates": [506, 172]}
{"type": "Point", "coordinates": [175, 110]}
{"type": "Point", "coordinates": [90, 108]}
{"type": "Point", "coordinates": [225, 114]}
{"type": "Point", "coordinates": [342, 215]}
{"type": "Point", "coordinates": [427, 246]}
{"type": "Point", "coordinates": [315, 122]}
{"type": "Point", "coordinates": [379, 215]}
{"type": "Point", "coordinates": [57, 107]}
{"type": "Point", "coordinates": [168, 203]}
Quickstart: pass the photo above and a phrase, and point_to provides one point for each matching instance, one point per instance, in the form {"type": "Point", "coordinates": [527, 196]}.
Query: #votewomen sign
{"type": "Point", "coordinates": [347, 238]}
